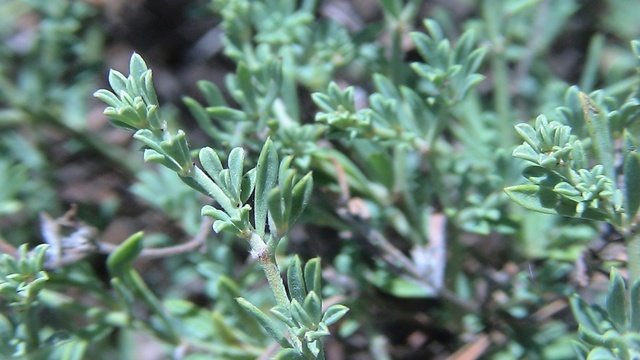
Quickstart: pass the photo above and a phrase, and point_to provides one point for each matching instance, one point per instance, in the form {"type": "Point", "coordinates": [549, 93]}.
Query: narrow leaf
{"type": "Point", "coordinates": [277, 224]}
{"type": "Point", "coordinates": [634, 298]}
{"type": "Point", "coordinates": [266, 177]}
{"type": "Point", "coordinates": [266, 323]}
{"type": "Point", "coordinates": [226, 114]}
{"type": "Point", "coordinates": [313, 305]}
{"type": "Point", "coordinates": [616, 300]}
{"type": "Point", "coordinates": [248, 184]}
{"type": "Point", "coordinates": [120, 260]}
{"type": "Point", "coordinates": [585, 317]}
{"type": "Point", "coordinates": [295, 280]}
{"type": "Point", "coordinates": [313, 275]}
{"type": "Point", "coordinates": [283, 315]}
{"type": "Point", "coordinates": [334, 313]}
{"type": "Point", "coordinates": [300, 196]}
{"type": "Point", "coordinates": [290, 354]}
{"type": "Point", "coordinates": [300, 314]}
{"type": "Point", "coordinates": [236, 167]}
{"type": "Point", "coordinates": [117, 81]}
{"type": "Point", "coordinates": [598, 125]}
{"type": "Point", "coordinates": [632, 184]}
{"type": "Point", "coordinates": [211, 163]}
{"type": "Point", "coordinates": [211, 93]}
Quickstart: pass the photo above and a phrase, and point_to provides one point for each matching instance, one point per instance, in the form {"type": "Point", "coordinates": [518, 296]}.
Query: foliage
{"type": "Point", "coordinates": [610, 332]}
{"type": "Point", "coordinates": [387, 148]}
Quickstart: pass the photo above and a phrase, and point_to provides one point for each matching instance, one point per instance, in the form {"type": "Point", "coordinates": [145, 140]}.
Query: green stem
{"type": "Point", "coordinates": [590, 71]}
{"type": "Point", "coordinates": [168, 333]}
{"type": "Point", "coordinates": [266, 256]}
{"type": "Point", "coordinates": [31, 326]}
{"type": "Point", "coordinates": [492, 13]}
{"type": "Point", "coordinates": [633, 249]}
{"type": "Point", "coordinates": [397, 56]}
{"type": "Point", "coordinates": [265, 252]}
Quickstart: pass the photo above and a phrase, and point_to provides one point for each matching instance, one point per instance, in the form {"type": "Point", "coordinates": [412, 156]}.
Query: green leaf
{"type": "Point", "coordinates": [546, 201]}
{"type": "Point", "coordinates": [266, 323]}
{"type": "Point", "coordinates": [236, 166]}
{"type": "Point", "coordinates": [226, 114]}
{"type": "Point", "coordinates": [584, 315]}
{"type": "Point", "coordinates": [121, 258]}
{"type": "Point", "coordinates": [248, 184]}
{"type": "Point", "coordinates": [300, 196]}
{"type": "Point", "coordinates": [533, 197]}
{"type": "Point", "coordinates": [634, 295]}
{"type": "Point", "coordinates": [283, 315]}
{"type": "Point", "coordinates": [598, 126]}
{"type": "Point", "coordinates": [632, 184]}
{"type": "Point", "coordinates": [313, 305]}
{"type": "Point", "coordinates": [202, 118]}
{"type": "Point", "coordinates": [295, 280]}
{"type": "Point", "coordinates": [300, 314]}
{"type": "Point", "coordinates": [137, 66]}
{"type": "Point", "coordinates": [117, 81]}
{"type": "Point", "coordinates": [266, 177]}
{"type": "Point", "coordinates": [290, 354]}
{"type": "Point", "coordinates": [277, 223]}
{"type": "Point", "coordinates": [246, 85]}
{"type": "Point", "coordinates": [211, 163]}
{"type": "Point", "coordinates": [601, 353]}
{"type": "Point", "coordinates": [334, 313]}
{"type": "Point", "coordinates": [616, 300]}
{"type": "Point", "coordinates": [211, 93]}
{"type": "Point", "coordinates": [313, 275]}
{"type": "Point", "coordinates": [108, 97]}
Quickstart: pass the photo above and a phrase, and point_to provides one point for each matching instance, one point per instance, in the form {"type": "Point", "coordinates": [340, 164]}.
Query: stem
{"type": "Point", "coordinates": [492, 12]}
{"type": "Point", "coordinates": [633, 249]}
{"type": "Point", "coordinates": [397, 56]}
{"type": "Point", "coordinates": [590, 72]}
{"type": "Point", "coordinates": [30, 322]}
{"type": "Point", "coordinates": [272, 272]}
{"type": "Point", "coordinates": [265, 252]}
{"type": "Point", "coordinates": [168, 332]}
{"type": "Point", "coordinates": [266, 256]}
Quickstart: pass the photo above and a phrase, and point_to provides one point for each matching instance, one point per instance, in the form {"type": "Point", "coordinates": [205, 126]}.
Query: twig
{"type": "Point", "coordinates": [150, 253]}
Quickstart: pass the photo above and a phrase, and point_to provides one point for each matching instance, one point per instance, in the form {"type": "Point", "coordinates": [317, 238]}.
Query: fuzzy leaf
{"type": "Point", "coordinates": [289, 354]}
{"type": "Point", "coordinates": [211, 93]}
{"type": "Point", "coordinates": [585, 317]}
{"type": "Point", "coordinates": [632, 184]}
{"type": "Point", "coordinates": [137, 66]}
{"type": "Point", "coordinates": [247, 185]}
{"type": "Point", "coordinates": [295, 280]}
{"type": "Point", "coordinates": [634, 295]}
{"type": "Point", "coordinates": [300, 314]}
{"type": "Point", "coordinates": [117, 81]}
{"type": "Point", "coordinates": [227, 114]}
{"type": "Point", "coordinates": [334, 313]}
{"type": "Point", "coordinates": [616, 300]}
{"type": "Point", "coordinates": [300, 196]}
{"type": "Point", "coordinates": [266, 177]}
{"type": "Point", "coordinates": [236, 166]}
{"type": "Point", "coordinates": [277, 221]}
{"type": "Point", "coordinates": [533, 197]}
{"type": "Point", "coordinates": [283, 315]}
{"type": "Point", "coordinates": [546, 201]}
{"type": "Point", "coordinates": [200, 114]}
{"type": "Point", "coordinates": [211, 163]}
{"type": "Point", "coordinates": [120, 260]}
{"type": "Point", "coordinates": [266, 323]}
{"type": "Point", "coordinates": [313, 275]}
{"type": "Point", "coordinates": [313, 305]}
{"type": "Point", "coordinates": [598, 126]}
